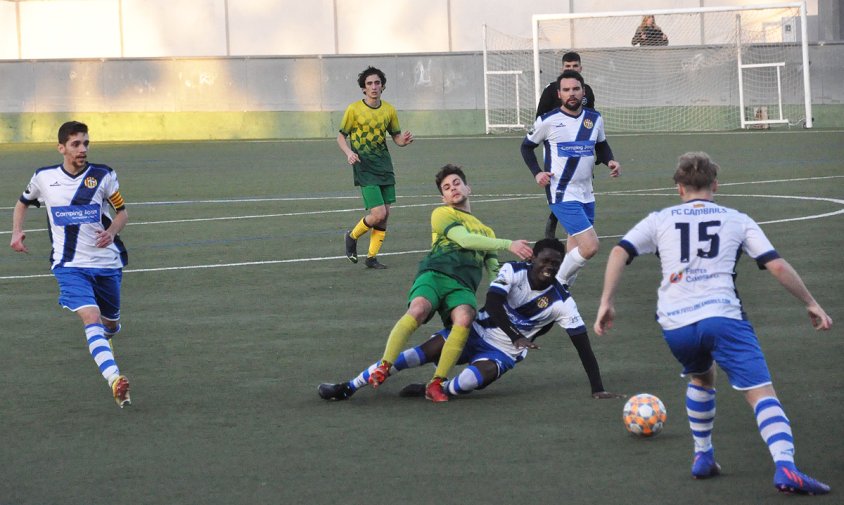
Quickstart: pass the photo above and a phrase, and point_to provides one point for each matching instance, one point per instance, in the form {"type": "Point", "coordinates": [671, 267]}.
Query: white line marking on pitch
{"type": "Point", "coordinates": [509, 198]}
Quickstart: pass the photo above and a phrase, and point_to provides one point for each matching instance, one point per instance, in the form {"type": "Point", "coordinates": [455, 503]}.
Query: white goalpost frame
{"type": "Point", "coordinates": [804, 42]}
{"type": "Point", "coordinates": [516, 75]}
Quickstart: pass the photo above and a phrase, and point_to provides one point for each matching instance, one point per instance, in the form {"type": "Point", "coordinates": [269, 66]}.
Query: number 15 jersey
{"type": "Point", "coordinates": [698, 244]}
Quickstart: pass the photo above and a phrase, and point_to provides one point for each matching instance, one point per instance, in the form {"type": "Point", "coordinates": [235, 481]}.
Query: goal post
{"type": "Point", "coordinates": [721, 68]}
{"type": "Point", "coordinates": [509, 102]}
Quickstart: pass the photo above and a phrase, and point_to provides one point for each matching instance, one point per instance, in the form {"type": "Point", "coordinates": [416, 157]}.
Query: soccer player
{"type": "Point", "coordinates": [523, 302]}
{"type": "Point", "coordinates": [87, 256]}
{"type": "Point", "coordinates": [573, 139]}
{"type": "Point", "coordinates": [703, 320]}
{"type": "Point", "coordinates": [366, 124]}
{"type": "Point", "coordinates": [549, 100]}
{"type": "Point", "coordinates": [447, 278]}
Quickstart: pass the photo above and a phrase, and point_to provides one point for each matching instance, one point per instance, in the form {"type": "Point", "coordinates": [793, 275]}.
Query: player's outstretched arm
{"type": "Point", "coordinates": [790, 279]}
{"type": "Point", "coordinates": [521, 248]}
{"type": "Point", "coordinates": [612, 276]}
{"type": "Point", "coordinates": [477, 242]}
{"type": "Point", "coordinates": [18, 234]}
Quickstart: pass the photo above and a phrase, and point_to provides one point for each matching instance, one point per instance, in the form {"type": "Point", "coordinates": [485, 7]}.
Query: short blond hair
{"type": "Point", "coordinates": [696, 170]}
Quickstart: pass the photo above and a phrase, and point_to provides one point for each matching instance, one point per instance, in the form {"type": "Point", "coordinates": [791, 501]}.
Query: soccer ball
{"type": "Point", "coordinates": [644, 415]}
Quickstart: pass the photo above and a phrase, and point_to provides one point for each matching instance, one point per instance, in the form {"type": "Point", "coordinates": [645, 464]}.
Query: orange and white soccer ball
{"type": "Point", "coordinates": [644, 415]}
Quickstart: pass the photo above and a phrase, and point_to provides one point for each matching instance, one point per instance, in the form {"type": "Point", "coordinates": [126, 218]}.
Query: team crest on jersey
{"type": "Point", "coordinates": [674, 278]}
{"type": "Point", "coordinates": [542, 302]}
{"type": "Point", "coordinates": [698, 206]}
{"type": "Point", "coordinates": [90, 182]}
{"type": "Point", "coordinates": [587, 123]}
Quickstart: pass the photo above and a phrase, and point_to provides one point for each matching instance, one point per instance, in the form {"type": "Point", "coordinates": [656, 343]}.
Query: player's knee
{"type": "Point", "coordinates": [589, 249]}
{"type": "Point", "coordinates": [377, 216]}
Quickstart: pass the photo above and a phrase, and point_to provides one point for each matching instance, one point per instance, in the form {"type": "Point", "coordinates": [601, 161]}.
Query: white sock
{"type": "Point", "coordinates": [572, 264]}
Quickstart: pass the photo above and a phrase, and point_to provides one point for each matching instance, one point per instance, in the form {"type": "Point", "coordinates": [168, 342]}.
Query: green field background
{"type": "Point", "coordinates": [238, 302]}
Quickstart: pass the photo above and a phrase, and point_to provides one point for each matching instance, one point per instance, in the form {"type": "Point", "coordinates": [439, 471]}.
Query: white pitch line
{"type": "Point", "coordinates": [324, 258]}
{"type": "Point", "coordinates": [290, 214]}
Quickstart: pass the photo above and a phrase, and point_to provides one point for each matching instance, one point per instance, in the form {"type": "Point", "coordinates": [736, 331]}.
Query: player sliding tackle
{"type": "Point", "coordinates": [448, 278]}
{"type": "Point", "coordinates": [523, 302]}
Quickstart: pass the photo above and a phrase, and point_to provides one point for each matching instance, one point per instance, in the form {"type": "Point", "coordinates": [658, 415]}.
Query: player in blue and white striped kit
{"type": "Point", "coordinates": [88, 257]}
{"type": "Point", "coordinates": [523, 302]}
{"type": "Point", "coordinates": [573, 140]}
{"type": "Point", "coordinates": [702, 318]}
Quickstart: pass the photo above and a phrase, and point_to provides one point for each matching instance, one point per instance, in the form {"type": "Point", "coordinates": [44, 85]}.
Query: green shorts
{"type": "Point", "coordinates": [376, 196]}
{"type": "Point", "coordinates": [444, 292]}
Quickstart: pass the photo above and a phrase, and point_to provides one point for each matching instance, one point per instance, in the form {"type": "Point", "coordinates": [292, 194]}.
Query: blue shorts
{"type": "Point", "coordinates": [90, 287]}
{"type": "Point", "coordinates": [731, 343]}
{"type": "Point", "coordinates": [477, 349]}
{"type": "Point", "coordinates": [576, 217]}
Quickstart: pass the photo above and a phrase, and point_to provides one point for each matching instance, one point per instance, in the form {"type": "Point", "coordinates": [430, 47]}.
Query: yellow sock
{"type": "Point", "coordinates": [359, 229]}
{"type": "Point", "coordinates": [376, 239]}
{"type": "Point", "coordinates": [451, 350]}
{"type": "Point", "coordinates": [398, 337]}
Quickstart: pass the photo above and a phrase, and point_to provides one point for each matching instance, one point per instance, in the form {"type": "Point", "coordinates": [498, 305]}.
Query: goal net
{"type": "Point", "coordinates": [509, 96]}
{"type": "Point", "coordinates": [723, 68]}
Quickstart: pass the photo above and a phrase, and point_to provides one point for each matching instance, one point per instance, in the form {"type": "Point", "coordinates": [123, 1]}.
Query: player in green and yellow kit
{"type": "Point", "coordinates": [366, 124]}
{"type": "Point", "coordinates": [448, 278]}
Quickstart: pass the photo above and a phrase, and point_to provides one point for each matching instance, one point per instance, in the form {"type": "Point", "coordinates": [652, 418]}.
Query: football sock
{"type": "Point", "coordinates": [398, 337]}
{"type": "Point", "coordinates": [466, 381]}
{"type": "Point", "coordinates": [376, 239]}
{"type": "Point", "coordinates": [700, 407]}
{"type": "Point", "coordinates": [359, 229]}
{"type": "Point", "coordinates": [587, 358]}
{"type": "Point", "coordinates": [775, 430]}
{"type": "Point", "coordinates": [410, 358]}
{"type": "Point", "coordinates": [452, 350]}
{"type": "Point", "coordinates": [572, 264]}
{"type": "Point", "coordinates": [101, 352]}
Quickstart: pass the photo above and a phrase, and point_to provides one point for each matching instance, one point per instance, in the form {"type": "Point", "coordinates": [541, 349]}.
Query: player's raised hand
{"type": "Point", "coordinates": [615, 168]}
{"type": "Point", "coordinates": [820, 319]}
{"type": "Point", "coordinates": [522, 249]}
{"type": "Point", "coordinates": [17, 242]}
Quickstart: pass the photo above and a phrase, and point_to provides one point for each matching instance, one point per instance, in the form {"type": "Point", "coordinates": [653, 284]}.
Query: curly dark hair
{"type": "Point", "coordinates": [370, 71]}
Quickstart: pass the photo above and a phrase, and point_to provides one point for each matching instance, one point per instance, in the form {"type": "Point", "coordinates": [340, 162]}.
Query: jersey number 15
{"type": "Point", "coordinates": [703, 235]}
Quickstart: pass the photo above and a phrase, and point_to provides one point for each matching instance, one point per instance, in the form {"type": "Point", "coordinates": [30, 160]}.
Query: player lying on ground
{"type": "Point", "coordinates": [523, 302]}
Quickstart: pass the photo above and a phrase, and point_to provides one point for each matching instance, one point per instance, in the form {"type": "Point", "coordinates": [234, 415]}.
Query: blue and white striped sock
{"type": "Point", "coordinates": [466, 381]}
{"type": "Point", "coordinates": [101, 352]}
{"type": "Point", "coordinates": [409, 358]}
{"type": "Point", "coordinates": [700, 407]}
{"type": "Point", "coordinates": [775, 430]}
